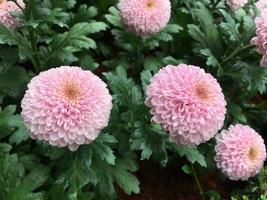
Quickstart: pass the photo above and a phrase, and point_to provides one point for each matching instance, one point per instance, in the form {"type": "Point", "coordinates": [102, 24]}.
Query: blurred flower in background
{"type": "Point", "coordinates": [236, 4]}
{"type": "Point", "coordinates": [6, 10]}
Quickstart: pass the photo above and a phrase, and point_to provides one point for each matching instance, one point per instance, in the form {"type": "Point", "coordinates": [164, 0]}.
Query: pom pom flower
{"type": "Point", "coordinates": [6, 9]}
{"type": "Point", "coordinates": [240, 152]}
{"type": "Point", "coordinates": [145, 17]}
{"type": "Point", "coordinates": [66, 106]}
{"type": "Point", "coordinates": [188, 102]}
{"type": "Point", "coordinates": [236, 4]}
{"type": "Point", "coordinates": [260, 39]}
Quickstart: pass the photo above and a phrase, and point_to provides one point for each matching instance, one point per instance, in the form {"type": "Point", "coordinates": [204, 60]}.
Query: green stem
{"type": "Point", "coordinates": [215, 4]}
{"type": "Point", "coordinates": [198, 182]}
{"type": "Point", "coordinates": [35, 58]}
{"type": "Point", "coordinates": [235, 52]}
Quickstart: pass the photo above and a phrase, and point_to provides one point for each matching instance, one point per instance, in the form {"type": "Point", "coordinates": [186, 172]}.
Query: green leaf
{"type": "Point", "coordinates": [10, 123]}
{"type": "Point", "coordinates": [236, 111]}
{"type": "Point", "coordinates": [192, 154]}
{"type": "Point", "coordinates": [212, 61]}
{"type": "Point", "coordinates": [207, 35]}
{"type": "Point", "coordinates": [4, 148]}
{"type": "Point", "coordinates": [145, 78]}
{"type": "Point", "coordinates": [36, 178]}
{"type": "Point", "coordinates": [114, 17]}
{"type": "Point", "coordinates": [95, 27]}
{"type": "Point", "coordinates": [85, 13]}
{"type": "Point", "coordinates": [125, 91]}
{"type": "Point", "coordinates": [102, 150]}
{"type": "Point", "coordinates": [15, 183]}
{"type": "Point", "coordinates": [173, 28]}
{"type": "Point", "coordinates": [87, 62]}
{"type": "Point", "coordinates": [13, 81]}
{"type": "Point", "coordinates": [64, 45]}
{"type": "Point", "coordinates": [248, 28]}
{"type": "Point", "coordinates": [152, 141]}
{"type": "Point", "coordinates": [127, 181]}
{"type": "Point", "coordinates": [187, 169]}
{"type": "Point", "coordinates": [230, 27]}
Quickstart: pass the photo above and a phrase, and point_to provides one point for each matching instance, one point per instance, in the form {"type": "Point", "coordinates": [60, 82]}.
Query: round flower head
{"type": "Point", "coordinates": [261, 36]}
{"type": "Point", "coordinates": [66, 106]}
{"type": "Point", "coordinates": [6, 10]}
{"type": "Point", "coordinates": [188, 102]}
{"type": "Point", "coordinates": [145, 17]}
{"type": "Point", "coordinates": [236, 4]}
{"type": "Point", "coordinates": [240, 152]}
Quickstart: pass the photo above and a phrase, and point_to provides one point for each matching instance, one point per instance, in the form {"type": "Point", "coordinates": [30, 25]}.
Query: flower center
{"type": "Point", "coordinates": [202, 92]}
{"type": "Point", "coordinates": [253, 153]}
{"type": "Point", "coordinates": [150, 4]}
{"type": "Point", "coordinates": [71, 91]}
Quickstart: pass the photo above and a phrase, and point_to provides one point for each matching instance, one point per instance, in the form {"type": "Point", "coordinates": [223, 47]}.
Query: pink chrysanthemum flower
{"type": "Point", "coordinates": [145, 17]}
{"type": "Point", "coordinates": [240, 152]}
{"type": "Point", "coordinates": [261, 36]}
{"type": "Point", "coordinates": [188, 102]}
{"type": "Point", "coordinates": [66, 106]}
{"type": "Point", "coordinates": [6, 10]}
{"type": "Point", "coordinates": [261, 4]}
{"type": "Point", "coordinates": [236, 4]}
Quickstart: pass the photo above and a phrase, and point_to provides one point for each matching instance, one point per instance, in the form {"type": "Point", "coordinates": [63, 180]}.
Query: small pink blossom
{"type": "Point", "coordinates": [188, 102]}
{"type": "Point", "coordinates": [240, 152]}
{"type": "Point", "coordinates": [260, 39]}
{"type": "Point", "coordinates": [6, 10]}
{"type": "Point", "coordinates": [236, 4]}
{"type": "Point", "coordinates": [261, 4]}
{"type": "Point", "coordinates": [66, 106]}
{"type": "Point", "coordinates": [145, 17]}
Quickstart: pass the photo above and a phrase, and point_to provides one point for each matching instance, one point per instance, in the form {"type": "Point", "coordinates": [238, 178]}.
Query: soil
{"type": "Point", "coordinates": [171, 183]}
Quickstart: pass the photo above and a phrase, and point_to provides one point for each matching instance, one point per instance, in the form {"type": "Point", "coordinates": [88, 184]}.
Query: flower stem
{"type": "Point", "coordinates": [215, 4]}
{"type": "Point", "coordinates": [35, 57]}
{"type": "Point", "coordinates": [235, 52]}
{"type": "Point", "coordinates": [198, 182]}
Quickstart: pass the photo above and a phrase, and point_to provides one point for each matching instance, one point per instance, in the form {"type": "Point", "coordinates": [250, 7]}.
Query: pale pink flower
{"type": "Point", "coordinates": [6, 10]}
{"type": "Point", "coordinates": [188, 102]}
{"type": "Point", "coordinates": [261, 4]}
{"type": "Point", "coordinates": [236, 4]}
{"type": "Point", "coordinates": [240, 152]}
{"type": "Point", "coordinates": [66, 106]}
{"type": "Point", "coordinates": [145, 17]}
{"type": "Point", "coordinates": [261, 36]}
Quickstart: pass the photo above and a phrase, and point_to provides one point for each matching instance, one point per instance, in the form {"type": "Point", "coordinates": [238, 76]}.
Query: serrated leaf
{"type": "Point", "coordinates": [191, 154]}
{"type": "Point", "coordinates": [35, 178]}
{"type": "Point", "coordinates": [114, 17]}
{"type": "Point", "coordinates": [127, 181]}
{"type": "Point", "coordinates": [236, 111]}
{"type": "Point", "coordinates": [104, 152]}
{"type": "Point", "coordinates": [230, 26]}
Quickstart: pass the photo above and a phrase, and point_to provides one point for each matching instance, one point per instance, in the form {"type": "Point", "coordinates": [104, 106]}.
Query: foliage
{"type": "Point", "coordinates": [92, 35]}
